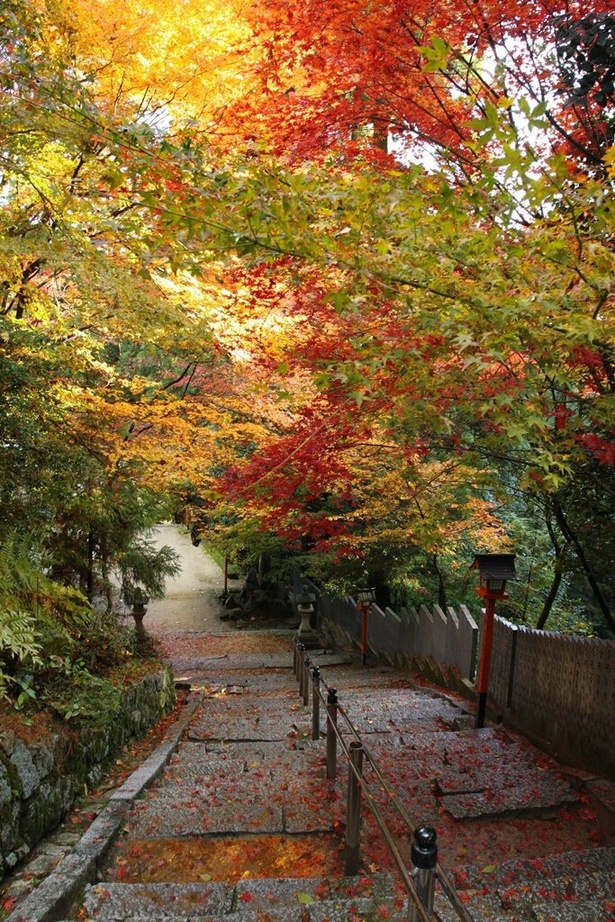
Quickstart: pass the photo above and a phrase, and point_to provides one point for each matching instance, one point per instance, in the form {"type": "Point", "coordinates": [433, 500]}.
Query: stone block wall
{"type": "Point", "coordinates": [39, 782]}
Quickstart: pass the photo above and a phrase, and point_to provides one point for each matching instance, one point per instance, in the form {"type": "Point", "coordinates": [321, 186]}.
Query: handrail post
{"type": "Point", "coordinates": [364, 631]}
{"type": "Point", "coordinates": [315, 703]}
{"type": "Point", "coordinates": [306, 682]}
{"type": "Point", "coordinates": [331, 733]}
{"type": "Point", "coordinates": [295, 657]}
{"type": "Point", "coordinates": [424, 857]}
{"type": "Point", "coordinates": [300, 666]}
{"type": "Point", "coordinates": [353, 816]}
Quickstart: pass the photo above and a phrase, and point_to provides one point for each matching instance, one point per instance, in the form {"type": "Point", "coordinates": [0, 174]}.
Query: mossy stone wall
{"type": "Point", "coordinates": [40, 781]}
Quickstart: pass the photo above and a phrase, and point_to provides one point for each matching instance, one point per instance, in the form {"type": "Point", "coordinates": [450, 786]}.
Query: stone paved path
{"type": "Point", "coordinates": [244, 802]}
{"type": "Point", "coordinates": [241, 822]}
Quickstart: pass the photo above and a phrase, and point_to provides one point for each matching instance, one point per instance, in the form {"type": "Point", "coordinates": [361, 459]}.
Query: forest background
{"type": "Point", "coordinates": [332, 283]}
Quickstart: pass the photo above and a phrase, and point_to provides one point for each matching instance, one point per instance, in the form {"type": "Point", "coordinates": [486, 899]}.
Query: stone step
{"type": "Point", "coordinates": [248, 901]}
{"type": "Point", "coordinates": [569, 887]}
{"type": "Point", "coordinates": [490, 910]}
{"type": "Point", "coordinates": [474, 774]}
{"type": "Point", "coordinates": [586, 897]}
{"type": "Point", "coordinates": [537, 870]}
{"type": "Point", "coordinates": [258, 787]}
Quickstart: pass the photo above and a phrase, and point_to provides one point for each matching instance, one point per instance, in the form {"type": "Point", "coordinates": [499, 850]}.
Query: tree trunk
{"type": "Point", "coordinates": [550, 599]}
{"type": "Point", "coordinates": [90, 570]}
{"type": "Point", "coordinates": [441, 586]}
{"type": "Point", "coordinates": [557, 577]}
{"type": "Point", "coordinates": [566, 530]}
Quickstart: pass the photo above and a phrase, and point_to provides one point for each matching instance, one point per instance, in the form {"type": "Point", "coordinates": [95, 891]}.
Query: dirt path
{"type": "Point", "coordinates": [191, 601]}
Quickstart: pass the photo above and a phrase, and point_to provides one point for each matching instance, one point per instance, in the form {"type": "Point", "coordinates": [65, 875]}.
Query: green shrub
{"type": "Point", "coordinates": [82, 697]}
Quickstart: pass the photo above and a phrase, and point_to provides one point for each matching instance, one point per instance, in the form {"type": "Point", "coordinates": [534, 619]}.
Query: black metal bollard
{"type": "Point", "coordinates": [424, 857]}
{"type": "Point", "coordinates": [331, 734]}
{"type": "Point", "coordinates": [315, 703]}
{"type": "Point", "coordinates": [353, 817]}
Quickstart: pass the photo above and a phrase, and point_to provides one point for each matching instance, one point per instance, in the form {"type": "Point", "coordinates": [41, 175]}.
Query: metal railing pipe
{"type": "Point", "coordinates": [405, 874]}
{"type": "Point", "coordinates": [424, 857]}
{"type": "Point", "coordinates": [306, 682]}
{"type": "Point", "coordinates": [300, 667]}
{"type": "Point", "coordinates": [295, 657]}
{"type": "Point", "coordinates": [419, 880]}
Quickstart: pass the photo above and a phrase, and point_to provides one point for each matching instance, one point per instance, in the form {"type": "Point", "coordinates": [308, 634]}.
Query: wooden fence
{"type": "Point", "coordinates": [554, 687]}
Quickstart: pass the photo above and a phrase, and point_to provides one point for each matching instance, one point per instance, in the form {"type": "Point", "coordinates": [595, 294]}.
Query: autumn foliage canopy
{"type": "Point", "coordinates": [333, 281]}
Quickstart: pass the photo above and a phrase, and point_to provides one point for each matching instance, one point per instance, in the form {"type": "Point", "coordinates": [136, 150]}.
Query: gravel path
{"type": "Point", "coordinates": [191, 601]}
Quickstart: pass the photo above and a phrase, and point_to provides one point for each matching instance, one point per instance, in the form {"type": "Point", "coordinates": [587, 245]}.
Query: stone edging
{"type": "Point", "coordinates": [53, 897]}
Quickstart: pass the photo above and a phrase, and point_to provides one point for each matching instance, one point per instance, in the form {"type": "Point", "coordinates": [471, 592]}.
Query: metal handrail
{"type": "Point", "coordinates": [443, 877]}
{"type": "Point", "coordinates": [388, 838]}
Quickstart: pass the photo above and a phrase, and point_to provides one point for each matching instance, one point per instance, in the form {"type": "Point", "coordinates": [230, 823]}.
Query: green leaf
{"type": "Point", "coordinates": [435, 54]}
{"type": "Point", "coordinates": [305, 898]}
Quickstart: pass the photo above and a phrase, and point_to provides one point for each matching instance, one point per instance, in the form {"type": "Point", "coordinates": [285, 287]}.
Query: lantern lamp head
{"type": "Point", "coordinates": [494, 570]}
{"type": "Point", "coordinates": [366, 596]}
{"type": "Point", "coordinates": [305, 597]}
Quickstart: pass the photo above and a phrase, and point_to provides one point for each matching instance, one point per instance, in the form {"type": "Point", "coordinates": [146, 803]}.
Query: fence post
{"type": "Point", "coordinates": [424, 857]}
{"type": "Point", "coordinates": [300, 666]}
{"type": "Point", "coordinates": [315, 703]}
{"type": "Point", "coordinates": [296, 657]}
{"type": "Point", "coordinates": [364, 631]}
{"type": "Point", "coordinates": [331, 733]}
{"type": "Point", "coordinates": [353, 815]}
{"type": "Point", "coordinates": [306, 681]}
{"type": "Point", "coordinates": [513, 663]}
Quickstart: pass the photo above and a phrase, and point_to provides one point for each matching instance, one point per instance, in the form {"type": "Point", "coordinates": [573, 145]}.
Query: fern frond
{"type": "Point", "coordinates": [19, 572]}
{"type": "Point", "coordinates": [19, 637]}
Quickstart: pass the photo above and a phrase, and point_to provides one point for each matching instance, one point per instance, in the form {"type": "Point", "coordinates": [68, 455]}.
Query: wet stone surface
{"type": "Point", "coordinates": [117, 901]}
{"type": "Point", "coordinates": [480, 774]}
{"type": "Point", "coordinates": [165, 819]}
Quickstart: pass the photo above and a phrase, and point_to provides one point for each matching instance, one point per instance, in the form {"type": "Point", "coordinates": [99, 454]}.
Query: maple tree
{"type": "Point", "coordinates": [488, 341]}
{"type": "Point", "coordinates": [70, 288]}
{"type": "Point", "coordinates": [328, 73]}
{"type": "Point", "coordinates": [534, 399]}
{"type": "Point", "coordinates": [225, 293]}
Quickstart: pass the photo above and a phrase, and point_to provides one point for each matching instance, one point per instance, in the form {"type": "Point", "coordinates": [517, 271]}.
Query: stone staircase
{"type": "Point", "coordinates": [575, 886]}
{"type": "Point", "coordinates": [245, 788]}
{"type": "Point", "coordinates": [539, 891]}
{"type": "Point", "coordinates": [553, 894]}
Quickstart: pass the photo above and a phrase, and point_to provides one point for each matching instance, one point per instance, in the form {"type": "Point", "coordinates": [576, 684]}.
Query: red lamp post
{"type": "Point", "coordinates": [494, 570]}
{"type": "Point", "coordinates": [365, 597]}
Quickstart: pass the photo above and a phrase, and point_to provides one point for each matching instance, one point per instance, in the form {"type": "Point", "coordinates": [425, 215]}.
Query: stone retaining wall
{"type": "Point", "coordinates": [39, 782]}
